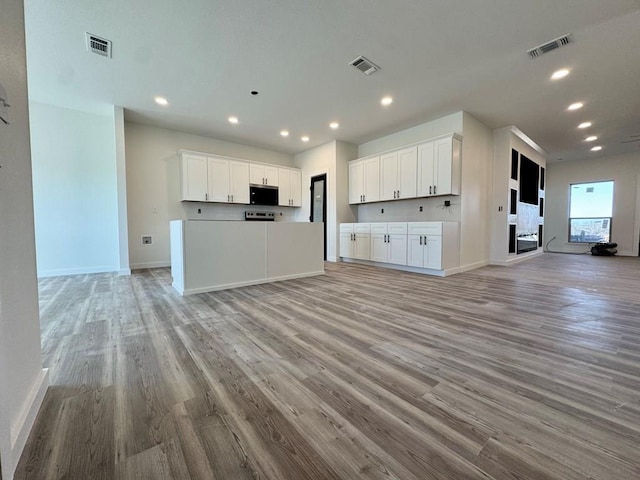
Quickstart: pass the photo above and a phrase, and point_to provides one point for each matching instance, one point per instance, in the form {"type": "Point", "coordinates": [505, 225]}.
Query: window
{"type": "Point", "coordinates": [590, 212]}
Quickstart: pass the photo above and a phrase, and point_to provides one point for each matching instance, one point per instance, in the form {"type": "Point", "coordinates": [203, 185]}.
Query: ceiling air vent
{"type": "Point", "coordinates": [365, 65]}
{"type": "Point", "coordinates": [549, 46]}
{"type": "Point", "coordinates": [98, 45]}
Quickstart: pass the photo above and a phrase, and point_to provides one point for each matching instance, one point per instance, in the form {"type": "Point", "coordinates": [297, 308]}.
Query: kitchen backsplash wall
{"type": "Point", "coordinates": [221, 211]}
{"type": "Point", "coordinates": [433, 210]}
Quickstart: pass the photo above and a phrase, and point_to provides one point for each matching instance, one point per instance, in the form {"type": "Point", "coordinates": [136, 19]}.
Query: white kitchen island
{"type": "Point", "coordinates": [208, 255]}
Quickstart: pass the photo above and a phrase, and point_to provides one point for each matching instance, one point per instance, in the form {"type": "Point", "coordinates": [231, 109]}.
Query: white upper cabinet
{"type": "Point", "coordinates": [398, 174]}
{"type": "Point", "coordinates": [439, 165]}
{"type": "Point", "coordinates": [364, 180]}
{"type": "Point", "coordinates": [239, 182]}
{"type": "Point", "coordinates": [193, 174]}
{"type": "Point", "coordinates": [428, 169]}
{"type": "Point", "coordinates": [290, 187]}
{"type": "Point", "coordinates": [260, 174]}
{"type": "Point", "coordinates": [214, 179]}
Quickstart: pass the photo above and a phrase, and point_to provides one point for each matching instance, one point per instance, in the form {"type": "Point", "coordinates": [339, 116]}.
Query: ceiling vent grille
{"type": "Point", "coordinates": [365, 65]}
{"type": "Point", "coordinates": [100, 46]}
{"type": "Point", "coordinates": [550, 46]}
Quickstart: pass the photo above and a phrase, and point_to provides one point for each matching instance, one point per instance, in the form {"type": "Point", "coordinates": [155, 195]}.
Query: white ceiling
{"type": "Point", "coordinates": [437, 57]}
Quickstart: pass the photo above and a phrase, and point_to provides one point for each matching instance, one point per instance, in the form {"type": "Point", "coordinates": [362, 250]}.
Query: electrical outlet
{"type": "Point", "coordinates": [447, 203]}
{"type": "Point", "coordinates": [420, 208]}
{"type": "Point", "coordinates": [382, 210]}
{"type": "Point", "coordinates": [147, 240]}
{"type": "Point", "coordinates": [199, 210]}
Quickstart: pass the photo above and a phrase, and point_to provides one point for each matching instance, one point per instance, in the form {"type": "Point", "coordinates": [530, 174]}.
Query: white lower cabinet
{"type": "Point", "coordinates": [389, 243]}
{"type": "Point", "coordinates": [423, 245]}
{"type": "Point", "coordinates": [355, 240]}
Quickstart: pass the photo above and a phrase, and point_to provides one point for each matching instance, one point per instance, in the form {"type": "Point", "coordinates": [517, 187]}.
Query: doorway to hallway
{"type": "Point", "coordinates": [318, 205]}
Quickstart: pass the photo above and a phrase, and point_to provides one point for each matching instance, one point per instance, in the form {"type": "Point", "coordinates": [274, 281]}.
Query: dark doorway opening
{"type": "Point", "coordinates": [318, 205]}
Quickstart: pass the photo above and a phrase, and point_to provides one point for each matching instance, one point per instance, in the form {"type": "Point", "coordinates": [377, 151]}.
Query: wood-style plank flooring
{"type": "Point", "coordinates": [525, 372]}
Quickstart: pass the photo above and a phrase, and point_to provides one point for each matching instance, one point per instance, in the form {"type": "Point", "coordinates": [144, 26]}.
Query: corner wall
{"type": "Point", "coordinates": [74, 191]}
{"type": "Point", "coordinates": [624, 170]}
{"type": "Point", "coordinates": [23, 382]}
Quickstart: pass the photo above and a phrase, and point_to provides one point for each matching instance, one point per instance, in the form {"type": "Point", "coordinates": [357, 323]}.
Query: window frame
{"type": "Point", "coordinates": [599, 217]}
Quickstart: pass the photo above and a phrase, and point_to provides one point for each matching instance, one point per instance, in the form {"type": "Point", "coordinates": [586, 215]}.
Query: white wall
{"type": "Point", "coordinates": [75, 191]}
{"type": "Point", "coordinates": [477, 171]}
{"type": "Point", "coordinates": [624, 170]}
{"type": "Point", "coordinates": [153, 187]}
{"type": "Point", "coordinates": [450, 124]}
{"type": "Point", "coordinates": [316, 161]}
{"type": "Point", "coordinates": [22, 380]}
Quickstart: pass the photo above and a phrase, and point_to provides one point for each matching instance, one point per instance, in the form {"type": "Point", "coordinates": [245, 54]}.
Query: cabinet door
{"type": "Point", "coordinates": [389, 176]}
{"type": "Point", "coordinates": [433, 252]}
{"type": "Point", "coordinates": [346, 244]}
{"type": "Point", "coordinates": [415, 251]}
{"type": "Point", "coordinates": [397, 248]}
{"type": "Point", "coordinates": [256, 174]}
{"type": "Point", "coordinates": [356, 182]}
{"type": "Point", "coordinates": [284, 190]}
{"type": "Point", "coordinates": [239, 182]}
{"type": "Point", "coordinates": [218, 180]}
{"type": "Point", "coordinates": [407, 172]}
{"type": "Point", "coordinates": [295, 188]}
{"type": "Point", "coordinates": [426, 179]}
{"type": "Point", "coordinates": [271, 175]}
{"type": "Point", "coordinates": [379, 247]}
{"type": "Point", "coordinates": [362, 249]}
{"type": "Point", "coordinates": [194, 178]}
{"type": "Point", "coordinates": [371, 177]}
{"type": "Point", "coordinates": [442, 166]}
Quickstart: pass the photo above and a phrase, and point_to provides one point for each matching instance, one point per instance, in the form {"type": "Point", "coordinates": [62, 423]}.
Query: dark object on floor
{"type": "Point", "coordinates": [604, 249]}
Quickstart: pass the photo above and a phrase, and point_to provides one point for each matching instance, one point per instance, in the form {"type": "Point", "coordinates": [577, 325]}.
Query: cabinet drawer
{"type": "Point", "coordinates": [397, 228]}
{"type": "Point", "coordinates": [362, 227]}
{"type": "Point", "coordinates": [379, 228]}
{"type": "Point", "coordinates": [346, 228]}
{"type": "Point", "coordinates": [425, 228]}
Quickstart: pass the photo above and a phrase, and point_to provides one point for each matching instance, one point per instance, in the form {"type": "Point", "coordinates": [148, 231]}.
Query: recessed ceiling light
{"type": "Point", "coordinates": [233, 120]}
{"type": "Point", "coordinates": [284, 133]}
{"type": "Point", "coordinates": [585, 125]}
{"type": "Point", "coordinates": [304, 138]}
{"type": "Point", "coordinates": [597, 148]}
{"type": "Point", "coordinates": [386, 101]}
{"type": "Point", "coordinates": [575, 106]}
{"type": "Point", "coordinates": [592, 138]}
{"type": "Point", "coordinates": [558, 74]}
{"type": "Point", "coordinates": [161, 101]}
{"type": "Point", "coordinates": [334, 125]}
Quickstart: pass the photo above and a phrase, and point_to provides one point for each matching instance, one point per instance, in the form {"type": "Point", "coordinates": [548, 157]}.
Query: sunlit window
{"type": "Point", "coordinates": [590, 212]}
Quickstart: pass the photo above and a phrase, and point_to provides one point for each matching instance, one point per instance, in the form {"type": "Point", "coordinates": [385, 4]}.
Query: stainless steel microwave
{"type": "Point", "coordinates": [263, 195]}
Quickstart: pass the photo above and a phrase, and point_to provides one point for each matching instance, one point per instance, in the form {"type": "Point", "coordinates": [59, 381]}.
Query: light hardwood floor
{"type": "Point", "coordinates": [526, 372]}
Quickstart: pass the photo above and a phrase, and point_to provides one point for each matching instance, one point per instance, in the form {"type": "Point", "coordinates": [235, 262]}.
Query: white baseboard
{"type": "Point", "coordinates": [405, 268]}
{"type": "Point", "coordinates": [518, 259]}
{"type": "Point", "coordinates": [59, 272]}
{"type": "Point", "coordinates": [473, 266]}
{"type": "Point", "coordinates": [332, 259]}
{"type": "Point", "coordinates": [21, 428]}
{"type": "Point", "coordinates": [138, 266]}
{"type": "Point", "coordinates": [215, 288]}
{"type": "Point", "coordinates": [123, 272]}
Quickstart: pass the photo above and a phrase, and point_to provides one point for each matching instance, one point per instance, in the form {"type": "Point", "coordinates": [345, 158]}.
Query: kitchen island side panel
{"type": "Point", "coordinates": [294, 249]}
{"type": "Point", "coordinates": [220, 255]}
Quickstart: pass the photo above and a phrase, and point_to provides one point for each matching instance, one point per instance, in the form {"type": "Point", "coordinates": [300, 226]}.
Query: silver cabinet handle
{"type": "Point", "coordinates": [206, 196]}
{"type": "Point", "coordinates": [434, 189]}
{"type": "Point", "coordinates": [232, 198]}
{"type": "Point", "coordinates": [425, 239]}
{"type": "Point", "coordinates": [420, 239]}
{"type": "Point", "coordinates": [394, 194]}
{"type": "Point", "coordinates": [228, 198]}
{"type": "Point", "coordinates": [430, 187]}
{"type": "Point", "coordinates": [398, 193]}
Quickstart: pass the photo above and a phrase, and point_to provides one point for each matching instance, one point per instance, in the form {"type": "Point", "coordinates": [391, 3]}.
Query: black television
{"type": "Point", "coordinates": [529, 180]}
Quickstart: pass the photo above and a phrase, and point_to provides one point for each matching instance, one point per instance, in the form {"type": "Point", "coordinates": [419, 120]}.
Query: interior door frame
{"type": "Point", "coordinates": [315, 178]}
